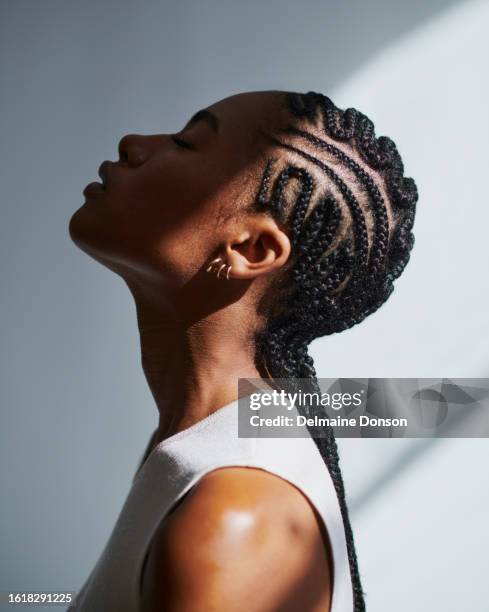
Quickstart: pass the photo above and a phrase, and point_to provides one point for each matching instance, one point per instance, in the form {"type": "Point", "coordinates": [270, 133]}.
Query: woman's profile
{"type": "Point", "coordinates": [271, 219]}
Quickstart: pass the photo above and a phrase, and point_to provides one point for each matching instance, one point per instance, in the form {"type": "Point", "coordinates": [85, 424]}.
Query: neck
{"type": "Point", "coordinates": [192, 368]}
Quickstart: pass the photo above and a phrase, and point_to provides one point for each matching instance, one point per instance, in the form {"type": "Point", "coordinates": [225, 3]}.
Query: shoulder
{"type": "Point", "coordinates": [240, 532]}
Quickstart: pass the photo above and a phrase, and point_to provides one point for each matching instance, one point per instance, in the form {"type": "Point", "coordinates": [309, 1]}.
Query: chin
{"type": "Point", "coordinates": [98, 236]}
{"type": "Point", "coordinates": [90, 234]}
{"type": "Point", "coordinates": [82, 228]}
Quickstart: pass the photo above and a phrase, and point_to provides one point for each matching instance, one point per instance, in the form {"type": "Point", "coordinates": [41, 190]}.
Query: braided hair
{"type": "Point", "coordinates": [341, 195]}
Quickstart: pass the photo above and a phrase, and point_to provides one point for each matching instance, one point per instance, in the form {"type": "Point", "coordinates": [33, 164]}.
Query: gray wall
{"type": "Point", "coordinates": [76, 413]}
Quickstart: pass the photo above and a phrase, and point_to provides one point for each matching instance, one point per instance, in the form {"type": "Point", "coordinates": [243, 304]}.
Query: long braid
{"type": "Point", "coordinates": [342, 268]}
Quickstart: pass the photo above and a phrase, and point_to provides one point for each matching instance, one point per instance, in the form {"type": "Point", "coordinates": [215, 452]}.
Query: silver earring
{"type": "Point", "coordinates": [221, 268]}
{"type": "Point", "coordinates": [219, 265]}
{"type": "Point", "coordinates": [228, 270]}
{"type": "Point", "coordinates": [213, 263]}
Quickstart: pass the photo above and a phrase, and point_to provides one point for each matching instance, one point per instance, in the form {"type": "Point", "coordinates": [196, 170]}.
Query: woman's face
{"type": "Point", "coordinates": [165, 206]}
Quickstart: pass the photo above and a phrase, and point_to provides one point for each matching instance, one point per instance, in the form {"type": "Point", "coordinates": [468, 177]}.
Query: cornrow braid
{"type": "Point", "coordinates": [341, 269]}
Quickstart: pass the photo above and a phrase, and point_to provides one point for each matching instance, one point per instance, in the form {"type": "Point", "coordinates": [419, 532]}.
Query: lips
{"type": "Point", "coordinates": [96, 188]}
{"type": "Point", "coordinates": [93, 189]}
{"type": "Point", "coordinates": [103, 172]}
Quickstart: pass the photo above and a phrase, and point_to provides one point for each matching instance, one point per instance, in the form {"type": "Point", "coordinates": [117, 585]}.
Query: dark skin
{"type": "Point", "coordinates": [168, 209]}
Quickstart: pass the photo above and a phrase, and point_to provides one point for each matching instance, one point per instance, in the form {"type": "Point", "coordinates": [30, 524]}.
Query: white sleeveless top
{"type": "Point", "coordinates": [172, 468]}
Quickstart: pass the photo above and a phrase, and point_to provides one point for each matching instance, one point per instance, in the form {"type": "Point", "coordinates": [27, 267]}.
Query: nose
{"type": "Point", "coordinates": [133, 150]}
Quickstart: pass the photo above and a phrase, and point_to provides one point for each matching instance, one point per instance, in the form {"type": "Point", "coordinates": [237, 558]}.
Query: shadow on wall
{"type": "Point", "coordinates": [357, 30]}
{"type": "Point", "coordinates": [312, 45]}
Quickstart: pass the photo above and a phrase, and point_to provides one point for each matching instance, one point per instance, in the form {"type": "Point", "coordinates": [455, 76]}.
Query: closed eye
{"type": "Point", "coordinates": [182, 143]}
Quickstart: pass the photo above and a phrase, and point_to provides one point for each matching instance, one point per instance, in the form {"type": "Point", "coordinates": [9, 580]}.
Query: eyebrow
{"type": "Point", "coordinates": [207, 116]}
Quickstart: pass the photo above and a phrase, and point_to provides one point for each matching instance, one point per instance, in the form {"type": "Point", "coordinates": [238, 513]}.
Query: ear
{"type": "Point", "coordinates": [260, 248]}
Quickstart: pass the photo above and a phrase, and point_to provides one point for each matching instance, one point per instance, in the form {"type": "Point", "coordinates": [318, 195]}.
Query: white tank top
{"type": "Point", "coordinates": [172, 468]}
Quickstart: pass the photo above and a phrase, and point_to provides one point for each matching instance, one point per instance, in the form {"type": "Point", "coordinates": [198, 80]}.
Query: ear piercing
{"type": "Point", "coordinates": [219, 265]}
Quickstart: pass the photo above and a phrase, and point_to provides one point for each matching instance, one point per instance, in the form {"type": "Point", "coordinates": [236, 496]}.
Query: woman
{"type": "Point", "coordinates": [270, 219]}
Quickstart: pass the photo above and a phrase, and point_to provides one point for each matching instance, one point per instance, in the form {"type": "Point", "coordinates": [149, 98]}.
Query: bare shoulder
{"type": "Point", "coordinates": [241, 534]}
